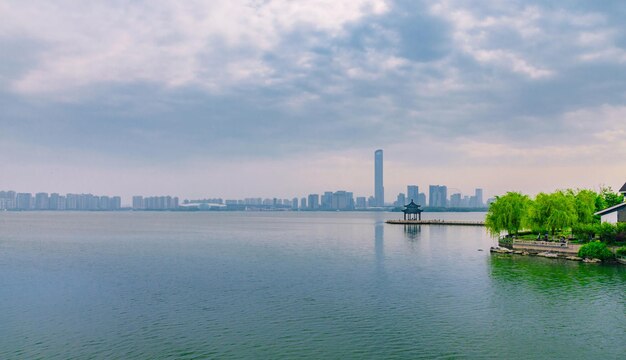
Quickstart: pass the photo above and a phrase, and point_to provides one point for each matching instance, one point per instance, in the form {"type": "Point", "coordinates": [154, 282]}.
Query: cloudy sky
{"type": "Point", "coordinates": [238, 98]}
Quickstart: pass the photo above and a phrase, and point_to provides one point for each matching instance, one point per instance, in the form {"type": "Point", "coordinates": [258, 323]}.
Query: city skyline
{"type": "Point", "coordinates": [201, 98]}
{"type": "Point", "coordinates": [328, 200]}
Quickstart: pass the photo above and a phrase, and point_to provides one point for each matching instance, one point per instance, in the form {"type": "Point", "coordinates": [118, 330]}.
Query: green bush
{"type": "Point", "coordinates": [620, 233]}
{"type": "Point", "coordinates": [595, 250]}
{"type": "Point", "coordinates": [585, 232]}
{"type": "Point", "coordinates": [621, 252]}
{"type": "Point", "coordinates": [606, 232]}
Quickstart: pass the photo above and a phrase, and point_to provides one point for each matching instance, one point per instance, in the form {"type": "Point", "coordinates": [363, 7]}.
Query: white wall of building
{"type": "Point", "coordinates": [611, 218]}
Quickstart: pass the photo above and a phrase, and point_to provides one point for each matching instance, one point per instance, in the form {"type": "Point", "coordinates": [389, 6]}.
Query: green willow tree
{"type": "Point", "coordinates": [585, 205]}
{"type": "Point", "coordinates": [608, 198]}
{"type": "Point", "coordinates": [555, 211]}
{"type": "Point", "coordinates": [507, 213]}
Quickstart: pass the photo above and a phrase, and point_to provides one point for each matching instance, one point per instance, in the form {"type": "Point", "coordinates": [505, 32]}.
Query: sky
{"type": "Point", "coordinates": [279, 98]}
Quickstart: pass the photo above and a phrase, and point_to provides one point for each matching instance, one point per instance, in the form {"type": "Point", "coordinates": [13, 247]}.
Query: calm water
{"type": "Point", "coordinates": [291, 285]}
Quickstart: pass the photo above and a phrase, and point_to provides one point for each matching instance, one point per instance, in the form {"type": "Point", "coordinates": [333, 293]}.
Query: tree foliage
{"type": "Point", "coordinates": [560, 211]}
{"type": "Point", "coordinates": [585, 205]}
{"type": "Point", "coordinates": [555, 211]}
{"type": "Point", "coordinates": [507, 213]}
{"type": "Point", "coordinates": [608, 198]}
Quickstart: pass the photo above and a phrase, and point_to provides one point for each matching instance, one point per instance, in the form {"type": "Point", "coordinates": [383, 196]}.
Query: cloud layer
{"type": "Point", "coordinates": [161, 84]}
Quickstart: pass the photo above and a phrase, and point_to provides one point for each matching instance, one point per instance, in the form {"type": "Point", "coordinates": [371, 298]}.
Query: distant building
{"type": "Point", "coordinates": [421, 199]}
{"type": "Point", "coordinates": [472, 201]}
{"type": "Point", "coordinates": [294, 203]}
{"type": "Point", "coordinates": [455, 200]}
{"type": "Point", "coordinates": [361, 202]}
{"type": "Point", "coordinates": [313, 202]}
{"type": "Point", "coordinates": [400, 200]}
{"type": "Point", "coordinates": [104, 203]}
{"type": "Point", "coordinates": [371, 201]}
{"type": "Point", "coordinates": [138, 202]}
{"type": "Point", "coordinates": [379, 189]}
{"type": "Point", "coordinates": [22, 201]}
{"type": "Point", "coordinates": [437, 196]}
{"type": "Point", "coordinates": [7, 200]}
{"type": "Point", "coordinates": [327, 200]}
{"type": "Point", "coordinates": [156, 202]}
{"type": "Point", "coordinates": [41, 201]}
{"type": "Point", "coordinates": [61, 205]}
{"type": "Point", "coordinates": [412, 193]}
{"type": "Point", "coordinates": [303, 203]}
{"type": "Point", "coordinates": [116, 203]}
{"type": "Point", "coordinates": [478, 194]}
{"type": "Point", "coordinates": [342, 200]}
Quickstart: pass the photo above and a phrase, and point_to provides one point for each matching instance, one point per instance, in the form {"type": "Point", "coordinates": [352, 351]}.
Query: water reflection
{"type": "Point", "coordinates": [412, 231]}
{"type": "Point", "coordinates": [545, 275]}
{"type": "Point", "coordinates": [562, 289]}
{"type": "Point", "coordinates": [379, 245]}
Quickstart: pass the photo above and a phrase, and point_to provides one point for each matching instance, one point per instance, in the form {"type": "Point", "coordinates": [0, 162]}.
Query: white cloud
{"type": "Point", "coordinates": [473, 34]}
{"type": "Point", "coordinates": [212, 44]}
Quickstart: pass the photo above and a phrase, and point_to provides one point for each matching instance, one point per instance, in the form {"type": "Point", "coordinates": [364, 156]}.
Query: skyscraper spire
{"type": "Point", "coordinates": [379, 189]}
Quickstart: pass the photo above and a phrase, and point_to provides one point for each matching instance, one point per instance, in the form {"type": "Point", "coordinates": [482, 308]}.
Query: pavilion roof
{"type": "Point", "coordinates": [412, 208]}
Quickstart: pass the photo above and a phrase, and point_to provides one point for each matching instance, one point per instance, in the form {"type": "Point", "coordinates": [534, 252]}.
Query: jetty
{"type": "Point", "coordinates": [436, 222]}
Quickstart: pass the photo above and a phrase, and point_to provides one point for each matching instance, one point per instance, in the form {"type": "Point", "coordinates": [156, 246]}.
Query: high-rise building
{"type": "Point", "coordinates": [41, 201]}
{"type": "Point", "coordinates": [437, 196]}
{"type": "Point", "coordinates": [303, 203]}
{"type": "Point", "coordinates": [421, 199]}
{"type": "Point", "coordinates": [294, 203]}
{"type": "Point", "coordinates": [116, 203]}
{"type": "Point", "coordinates": [478, 193]}
{"type": "Point", "coordinates": [138, 202]}
{"type": "Point", "coordinates": [371, 202]}
{"type": "Point", "coordinates": [327, 200]}
{"type": "Point", "coordinates": [53, 201]}
{"type": "Point", "coordinates": [361, 202]}
{"type": "Point", "coordinates": [342, 200]}
{"type": "Point", "coordinates": [104, 203]}
{"type": "Point", "coordinates": [22, 201]}
{"type": "Point", "coordinates": [313, 201]}
{"type": "Point", "coordinates": [412, 193]}
{"type": "Point", "coordinates": [455, 200]}
{"type": "Point", "coordinates": [7, 200]}
{"type": "Point", "coordinates": [379, 189]}
{"type": "Point", "coordinates": [61, 205]}
{"type": "Point", "coordinates": [400, 200]}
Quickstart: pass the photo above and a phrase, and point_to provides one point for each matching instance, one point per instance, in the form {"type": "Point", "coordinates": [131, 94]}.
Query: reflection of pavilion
{"type": "Point", "coordinates": [412, 231]}
{"type": "Point", "coordinates": [412, 211]}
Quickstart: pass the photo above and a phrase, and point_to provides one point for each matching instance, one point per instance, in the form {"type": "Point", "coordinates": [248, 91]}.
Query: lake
{"type": "Point", "coordinates": [292, 285]}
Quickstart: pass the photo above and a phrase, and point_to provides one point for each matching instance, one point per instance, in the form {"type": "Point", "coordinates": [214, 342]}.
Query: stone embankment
{"type": "Point", "coordinates": [546, 254]}
{"type": "Point", "coordinates": [527, 252]}
{"type": "Point", "coordinates": [436, 222]}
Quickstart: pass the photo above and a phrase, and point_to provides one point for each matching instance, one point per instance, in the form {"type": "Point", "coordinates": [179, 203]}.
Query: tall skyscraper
{"type": "Point", "coordinates": [327, 200]}
{"type": "Point", "coordinates": [437, 196]}
{"type": "Point", "coordinates": [479, 197]}
{"type": "Point", "coordinates": [379, 189]}
{"type": "Point", "coordinates": [412, 193]}
{"type": "Point", "coordinates": [313, 201]}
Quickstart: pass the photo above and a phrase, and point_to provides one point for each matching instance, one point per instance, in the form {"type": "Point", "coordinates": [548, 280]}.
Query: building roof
{"type": "Point", "coordinates": [623, 188]}
{"type": "Point", "coordinates": [412, 208]}
{"type": "Point", "coordinates": [611, 209]}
